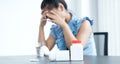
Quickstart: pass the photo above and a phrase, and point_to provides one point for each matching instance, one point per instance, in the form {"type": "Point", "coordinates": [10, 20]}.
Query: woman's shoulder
{"type": "Point", "coordinates": [78, 20]}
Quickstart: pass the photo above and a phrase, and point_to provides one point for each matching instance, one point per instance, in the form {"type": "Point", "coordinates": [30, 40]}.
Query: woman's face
{"type": "Point", "coordinates": [58, 11]}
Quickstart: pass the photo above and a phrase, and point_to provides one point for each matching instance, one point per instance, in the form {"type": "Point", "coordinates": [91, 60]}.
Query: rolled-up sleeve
{"type": "Point", "coordinates": [90, 20]}
{"type": "Point", "coordinates": [79, 22]}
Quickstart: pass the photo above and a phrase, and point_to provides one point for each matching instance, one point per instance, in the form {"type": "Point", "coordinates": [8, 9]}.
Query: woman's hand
{"type": "Point", "coordinates": [56, 18]}
{"type": "Point", "coordinates": [43, 19]}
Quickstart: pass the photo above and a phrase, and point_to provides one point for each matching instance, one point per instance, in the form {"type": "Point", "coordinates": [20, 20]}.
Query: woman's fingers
{"type": "Point", "coordinates": [44, 14]}
{"type": "Point", "coordinates": [51, 16]}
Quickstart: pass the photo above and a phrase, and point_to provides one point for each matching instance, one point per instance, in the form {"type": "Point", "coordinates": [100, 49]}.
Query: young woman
{"type": "Point", "coordinates": [67, 27]}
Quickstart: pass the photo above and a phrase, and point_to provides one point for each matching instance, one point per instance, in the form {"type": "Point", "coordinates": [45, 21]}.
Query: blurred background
{"type": "Point", "coordinates": [19, 23]}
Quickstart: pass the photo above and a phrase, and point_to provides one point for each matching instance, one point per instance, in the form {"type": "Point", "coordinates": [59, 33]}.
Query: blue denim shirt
{"type": "Point", "coordinates": [74, 24]}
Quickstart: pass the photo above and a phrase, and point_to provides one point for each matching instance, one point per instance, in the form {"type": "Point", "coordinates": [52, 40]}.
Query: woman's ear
{"type": "Point", "coordinates": [61, 7]}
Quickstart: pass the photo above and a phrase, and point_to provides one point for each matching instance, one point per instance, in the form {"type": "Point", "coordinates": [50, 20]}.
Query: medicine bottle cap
{"type": "Point", "coordinates": [76, 41]}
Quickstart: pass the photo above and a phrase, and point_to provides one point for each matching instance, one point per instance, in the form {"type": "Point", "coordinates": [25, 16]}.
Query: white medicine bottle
{"type": "Point", "coordinates": [76, 50]}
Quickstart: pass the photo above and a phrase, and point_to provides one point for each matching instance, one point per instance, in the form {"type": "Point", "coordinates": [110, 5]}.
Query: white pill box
{"type": "Point", "coordinates": [76, 52]}
{"type": "Point", "coordinates": [62, 55]}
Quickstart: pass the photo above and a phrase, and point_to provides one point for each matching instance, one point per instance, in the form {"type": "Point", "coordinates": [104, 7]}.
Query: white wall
{"type": "Point", "coordinates": [109, 20]}
{"type": "Point", "coordinates": [19, 23]}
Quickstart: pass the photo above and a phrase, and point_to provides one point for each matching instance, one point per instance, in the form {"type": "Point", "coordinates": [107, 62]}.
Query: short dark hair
{"type": "Point", "coordinates": [53, 4]}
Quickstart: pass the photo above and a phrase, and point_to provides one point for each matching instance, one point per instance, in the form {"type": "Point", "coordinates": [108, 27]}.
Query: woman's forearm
{"type": "Point", "coordinates": [83, 33]}
{"type": "Point", "coordinates": [68, 35]}
{"type": "Point", "coordinates": [41, 37]}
